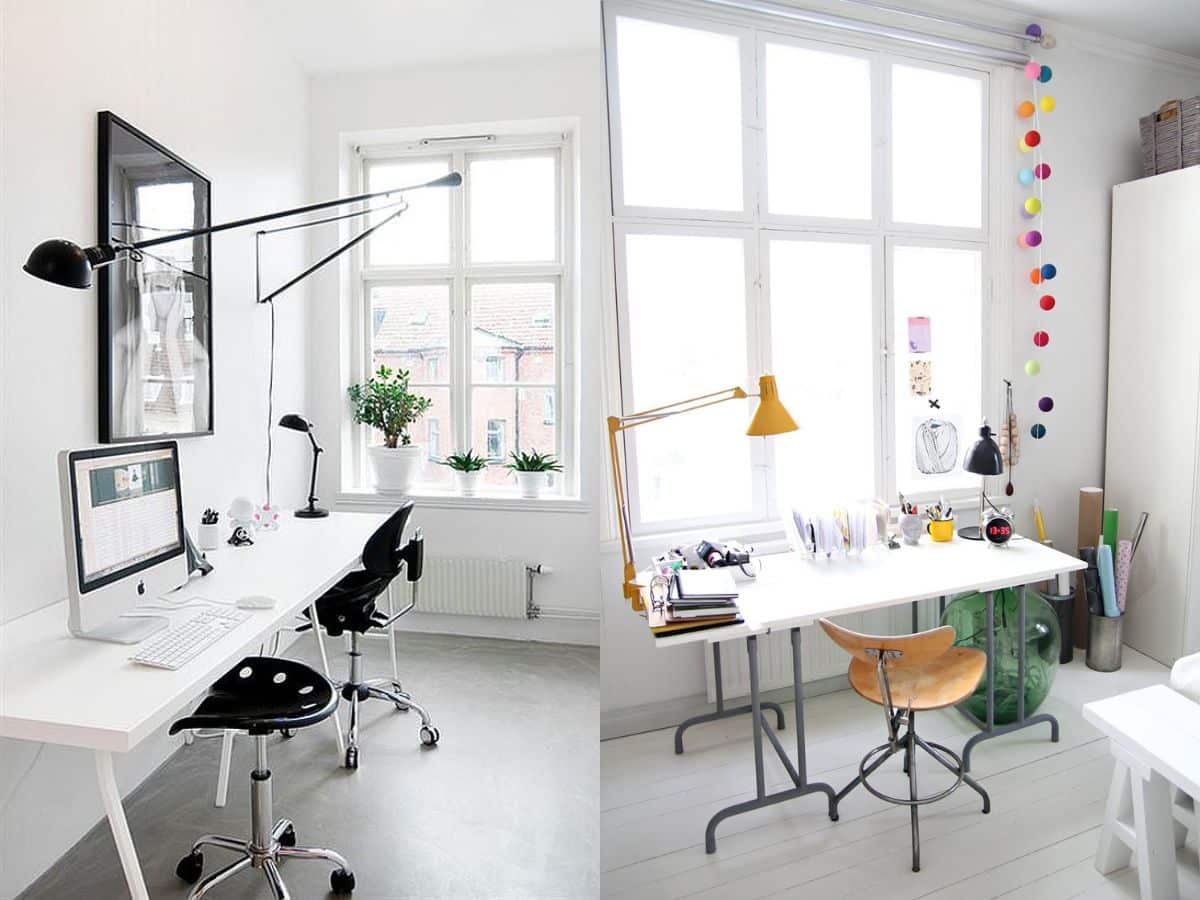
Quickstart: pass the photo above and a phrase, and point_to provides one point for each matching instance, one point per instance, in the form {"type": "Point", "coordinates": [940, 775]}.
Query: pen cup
{"type": "Point", "coordinates": [209, 536]}
{"type": "Point", "coordinates": [911, 527]}
{"type": "Point", "coordinates": [941, 530]}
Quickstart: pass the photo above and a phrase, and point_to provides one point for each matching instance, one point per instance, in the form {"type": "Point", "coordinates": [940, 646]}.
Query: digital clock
{"type": "Point", "coordinates": [997, 529]}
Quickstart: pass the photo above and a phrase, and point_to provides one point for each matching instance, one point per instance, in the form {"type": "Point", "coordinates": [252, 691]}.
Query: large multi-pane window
{"type": "Point", "coordinates": [465, 291]}
{"type": "Point", "coordinates": [815, 210]}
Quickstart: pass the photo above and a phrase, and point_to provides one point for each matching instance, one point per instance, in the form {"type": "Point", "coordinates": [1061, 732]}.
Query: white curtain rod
{"type": "Point", "coordinates": [970, 48]}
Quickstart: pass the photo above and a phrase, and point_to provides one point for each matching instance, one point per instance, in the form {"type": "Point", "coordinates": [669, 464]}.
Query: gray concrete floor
{"type": "Point", "coordinates": [507, 805]}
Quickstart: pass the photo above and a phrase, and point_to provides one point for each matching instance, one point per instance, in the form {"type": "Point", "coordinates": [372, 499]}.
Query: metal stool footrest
{"type": "Point", "coordinates": [878, 755]}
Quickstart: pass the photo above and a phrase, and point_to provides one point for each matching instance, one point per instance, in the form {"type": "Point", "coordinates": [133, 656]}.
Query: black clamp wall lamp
{"type": "Point", "coordinates": [67, 264]}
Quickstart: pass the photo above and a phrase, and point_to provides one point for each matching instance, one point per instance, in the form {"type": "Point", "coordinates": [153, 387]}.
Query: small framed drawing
{"type": "Point", "coordinates": [155, 342]}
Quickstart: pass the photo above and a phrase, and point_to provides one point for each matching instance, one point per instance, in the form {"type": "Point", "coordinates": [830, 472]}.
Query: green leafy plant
{"type": "Point", "coordinates": [465, 462]}
{"type": "Point", "coordinates": [533, 461]}
{"type": "Point", "coordinates": [384, 401]}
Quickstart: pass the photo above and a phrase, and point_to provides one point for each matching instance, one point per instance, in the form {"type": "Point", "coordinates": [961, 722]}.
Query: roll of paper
{"type": "Point", "coordinates": [1108, 587]}
{"type": "Point", "coordinates": [1091, 523]}
{"type": "Point", "coordinates": [1109, 528]}
{"type": "Point", "coordinates": [1124, 560]}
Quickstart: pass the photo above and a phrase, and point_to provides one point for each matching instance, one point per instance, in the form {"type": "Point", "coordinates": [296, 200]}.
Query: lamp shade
{"type": "Point", "coordinates": [984, 457]}
{"type": "Point", "coordinates": [60, 262]}
{"type": "Point", "coordinates": [772, 416]}
{"type": "Point", "coordinates": [295, 423]}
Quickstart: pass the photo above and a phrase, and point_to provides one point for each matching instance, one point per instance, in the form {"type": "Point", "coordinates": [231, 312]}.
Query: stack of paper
{"type": "Point", "coordinates": [699, 599]}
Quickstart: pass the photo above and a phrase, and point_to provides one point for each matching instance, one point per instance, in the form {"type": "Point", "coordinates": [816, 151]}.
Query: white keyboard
{"type": "Point", "coordinates": [181, 644]}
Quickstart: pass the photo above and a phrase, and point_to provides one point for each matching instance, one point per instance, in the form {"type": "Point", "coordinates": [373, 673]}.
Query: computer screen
{"type": "Point", "coordinates": [127, 511]}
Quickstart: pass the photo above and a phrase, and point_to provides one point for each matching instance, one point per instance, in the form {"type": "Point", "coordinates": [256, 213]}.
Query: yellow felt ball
{"type": "Point", "coordinates": [1033, 206]}
{"type": "Point", "coordinates": [1025, 110]}
{"type": "Point", "coordinates": [1047, 103]}
{"type": "Point", "coordinates": [1025, 148]}
{"type": "Point", "coordinates": [1033, 367]}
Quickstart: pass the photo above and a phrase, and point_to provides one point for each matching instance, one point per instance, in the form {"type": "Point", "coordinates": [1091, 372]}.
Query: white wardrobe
{"type": "Point", "coordinates": [1153, 444]}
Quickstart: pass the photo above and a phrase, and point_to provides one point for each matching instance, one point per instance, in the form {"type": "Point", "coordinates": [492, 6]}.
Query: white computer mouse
{"type": "Point", "coordinates": [256, 601]}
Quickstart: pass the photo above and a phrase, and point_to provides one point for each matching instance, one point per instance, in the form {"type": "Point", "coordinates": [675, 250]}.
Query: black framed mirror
{"type": "Point", "coordinates": [156, 306]}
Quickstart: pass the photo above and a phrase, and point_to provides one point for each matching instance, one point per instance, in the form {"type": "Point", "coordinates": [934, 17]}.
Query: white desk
{"type": "Point", "coordinates": [791, 592]}
{"type": "Point", "coordinates": [58, 689]}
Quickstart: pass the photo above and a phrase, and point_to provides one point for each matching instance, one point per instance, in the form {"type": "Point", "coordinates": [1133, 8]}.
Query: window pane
{"type": "Point", "coordinates": [818, 155]}
{"type": "Point", "coordinates": [410, 329]}
{"type": "Point", "coordinates": [508, 419]}
{"type": "Point", "coordinates": [823, 352]}
{"type": "Point", "coordinates": [514, 209]}
{"type": "Point", "coordinates": [937, 148]}
{"type": "Point", "coordinates": [938, 350]}
{"type": "Point", "coordinates": [512, 332]}
{"type": "Point", "coordinates": [686, 299]}
{"type": "Point", "coordinates": [681, 116]}
{"type": "Point", "coordinates": [421, 236]}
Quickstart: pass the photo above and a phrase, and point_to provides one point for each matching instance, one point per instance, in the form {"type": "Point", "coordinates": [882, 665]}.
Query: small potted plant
{"type": "Point", "coordinates": [468, 470]}
{"type": "Point", "coordinates": [384, 402]}
{"type": "Point", "coordinates": [532, 469]}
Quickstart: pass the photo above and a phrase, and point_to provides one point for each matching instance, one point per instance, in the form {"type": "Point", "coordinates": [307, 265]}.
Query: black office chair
{"type": "Point", "coordinates": [349, 607]}
{"type": "Point", "coordinates": [261, 695]}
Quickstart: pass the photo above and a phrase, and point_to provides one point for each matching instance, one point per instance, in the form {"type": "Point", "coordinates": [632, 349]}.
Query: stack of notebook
{"type": "Point", "coordinates": [699, 599]}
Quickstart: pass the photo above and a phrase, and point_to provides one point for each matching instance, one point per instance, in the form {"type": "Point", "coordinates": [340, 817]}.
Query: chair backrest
{"type": "Point", "coordinates": [901, 650]}
{"type": "Point", "coordinates": [382, 554]}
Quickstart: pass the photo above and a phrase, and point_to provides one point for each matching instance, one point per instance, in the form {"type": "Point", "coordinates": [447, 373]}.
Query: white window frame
{"type": "Point", "coordinates": [757, 226]}
{"type": "Point", "coordinates": [503, 140]}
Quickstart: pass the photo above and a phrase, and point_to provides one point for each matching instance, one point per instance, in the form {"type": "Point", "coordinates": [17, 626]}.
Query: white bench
{"type": "Point", "coordinates": [1154, 735]}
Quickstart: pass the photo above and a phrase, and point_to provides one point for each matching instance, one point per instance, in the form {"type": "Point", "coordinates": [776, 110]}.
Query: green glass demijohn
{"type": "Point", "coordinates": [967, 615]}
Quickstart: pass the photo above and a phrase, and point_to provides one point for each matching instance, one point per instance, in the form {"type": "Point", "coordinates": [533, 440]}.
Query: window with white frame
{"type": "Point", "coordinates": [467, 292]}
{"type": "Point", "coordinates": [816, 210]}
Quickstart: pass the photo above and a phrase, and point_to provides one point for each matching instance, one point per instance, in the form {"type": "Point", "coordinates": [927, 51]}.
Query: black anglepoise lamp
{"type": "Point", "coordinates": [294, 422]}
{"type": "Point", "coordinates": [984, 458]}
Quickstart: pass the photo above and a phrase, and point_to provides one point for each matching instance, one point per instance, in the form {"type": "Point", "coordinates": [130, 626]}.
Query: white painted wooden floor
{"type": "Point", "coordinates": [1037, 843]}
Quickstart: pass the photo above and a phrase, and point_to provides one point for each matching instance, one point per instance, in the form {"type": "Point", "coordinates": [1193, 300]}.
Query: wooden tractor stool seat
{"type": "Point", "coordinates": [262, 695]}
{"type": "Point", "coordinates": [905, 674]}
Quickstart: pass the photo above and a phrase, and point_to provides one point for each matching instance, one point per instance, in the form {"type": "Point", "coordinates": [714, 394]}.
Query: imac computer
{"type": "Point", "coordinates": [124, 537]}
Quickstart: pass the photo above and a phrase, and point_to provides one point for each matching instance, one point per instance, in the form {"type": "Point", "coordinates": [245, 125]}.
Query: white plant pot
{"type": "Point", "coordinates": [468, 482]}
{"type": "Point", "coordinates": [394, 469]}
{"type": "Point", "coordinates": [531, 484]}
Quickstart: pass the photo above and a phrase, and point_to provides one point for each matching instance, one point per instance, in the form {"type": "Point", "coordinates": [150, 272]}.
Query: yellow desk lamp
{"type": "Point", "coordinates": [770, 418]}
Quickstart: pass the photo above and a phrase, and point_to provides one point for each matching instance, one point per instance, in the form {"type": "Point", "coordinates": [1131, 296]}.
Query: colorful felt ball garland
{"type": "Point", "coordinates": [1030, 111]}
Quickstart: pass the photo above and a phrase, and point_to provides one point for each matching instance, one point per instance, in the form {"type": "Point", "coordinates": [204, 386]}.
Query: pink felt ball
{"type": "Point", "coordinates": [1033, 238]}
{"type": "Point", "coordinates": [1032, 70]}
{"type": "Point", "coordinates": [1022, 240]}
{"type": "Point", "coordinates": [1042, 171]}
{"type": "Point", "coordinates": [1047, 302]}
{"type": "Point", "coordinates": [1040, 339]}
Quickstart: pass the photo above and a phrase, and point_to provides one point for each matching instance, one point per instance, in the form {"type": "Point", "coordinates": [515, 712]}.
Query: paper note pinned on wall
{"type": "Point", "coordinates": [920, 338]}
{"type": "Point", "coordinates": [920, 377]}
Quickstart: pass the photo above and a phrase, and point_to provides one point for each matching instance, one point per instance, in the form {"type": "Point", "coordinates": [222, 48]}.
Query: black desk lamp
{"type": "Point", "coordinates": [294, 422]}
{"type": "Point", "coordinates": [984, 458]}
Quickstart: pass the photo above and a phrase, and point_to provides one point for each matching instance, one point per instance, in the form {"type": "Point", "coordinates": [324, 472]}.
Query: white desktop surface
{"type": "Point", "coordinates": [792, 590]}
{"type": "Point", "coordinates": [60, 689]}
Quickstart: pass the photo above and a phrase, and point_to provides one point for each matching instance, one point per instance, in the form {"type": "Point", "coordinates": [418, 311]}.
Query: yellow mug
{"type": "Point", "coordinates": [941, 530]}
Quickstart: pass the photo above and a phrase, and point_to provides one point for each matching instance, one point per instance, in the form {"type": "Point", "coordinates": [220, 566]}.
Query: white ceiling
{"type": "Point", "coordinates": [1168, 24]}
{"type": "Point", "coordinates": [334, 35]}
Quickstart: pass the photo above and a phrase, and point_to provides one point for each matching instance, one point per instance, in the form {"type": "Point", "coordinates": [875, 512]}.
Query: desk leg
{"type": "Point", "coordinates": [111, 795]}
{"type": "Point", "coordinates": [722, 712]}
{"type": "Point", "coordinates": [337, 719]}
{"type": "Point", "coordinates": [988, 728]}
{"type": "Point", "coordinates": [798, 773]}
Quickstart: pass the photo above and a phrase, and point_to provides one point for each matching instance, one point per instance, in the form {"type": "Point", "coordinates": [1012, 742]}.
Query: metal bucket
{"type": "Point", "coordinates": [1104, 642]}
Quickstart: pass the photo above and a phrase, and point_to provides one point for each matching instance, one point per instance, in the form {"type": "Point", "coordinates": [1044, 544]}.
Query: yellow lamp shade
{"type": "Point", "coordinates": [771, 417]}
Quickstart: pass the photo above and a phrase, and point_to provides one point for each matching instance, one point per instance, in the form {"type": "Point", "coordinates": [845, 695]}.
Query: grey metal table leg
{"type": "Point", "coordinates": [797, 773]}
{"type": "Point", "coordinates": [721, 712]}
{"type": "Point", "coordinates": [989, 729]}
{"type": "Point", "coordinates": [916, 605]}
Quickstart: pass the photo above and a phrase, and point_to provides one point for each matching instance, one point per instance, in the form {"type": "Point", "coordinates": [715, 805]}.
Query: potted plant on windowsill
{"type": "Point", "coordinates": [532, 470]}
{"type": "Point", "coordinates": [468, 470]}
{"type": "Point", "coordinates": [385, 403]}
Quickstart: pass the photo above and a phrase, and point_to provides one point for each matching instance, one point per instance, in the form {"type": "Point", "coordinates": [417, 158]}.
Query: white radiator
{"type": "Point", "coordinates": [469, 587]}
{"type": "Point", "coordinates": [819, 656]}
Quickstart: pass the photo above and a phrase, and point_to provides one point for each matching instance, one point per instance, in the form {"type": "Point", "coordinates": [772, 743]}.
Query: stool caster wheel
{"type": "Point", "coordinates": [287, 733]}
{"type": "Point", "coordinates": [430, 735]}
{"type": "Point", "coordinates": [341, 881]}
{"type": "Point", "coordinates": [288, 838]}
{"type": "Point", "coordinates": [191, 867]}
{"type": "Point", "coordinates": [351, 757]}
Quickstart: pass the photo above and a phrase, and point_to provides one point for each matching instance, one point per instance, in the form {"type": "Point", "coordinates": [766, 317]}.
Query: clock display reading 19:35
{"type": "Point", "coordinates": [998, 529]}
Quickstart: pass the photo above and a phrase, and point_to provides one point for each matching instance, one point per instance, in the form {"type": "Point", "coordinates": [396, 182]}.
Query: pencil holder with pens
{"type": "Point", "coordinates": [941, 530]}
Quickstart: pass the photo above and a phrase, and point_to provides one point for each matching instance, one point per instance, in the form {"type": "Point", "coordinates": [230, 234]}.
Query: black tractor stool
{"type": "Point", "coordinates": [261, 695]}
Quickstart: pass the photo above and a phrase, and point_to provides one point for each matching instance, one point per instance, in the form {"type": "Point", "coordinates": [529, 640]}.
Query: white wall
{"type": "Point", "coordinates": [533, 88]}
{"type": "Point", "coordinates": [1102, 85]}
{"type": "Point", "coordinates": [203, 79]}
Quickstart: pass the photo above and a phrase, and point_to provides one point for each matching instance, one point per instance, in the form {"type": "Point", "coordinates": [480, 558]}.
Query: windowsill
{"type": "Point", "coordinates": [498, 501]}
